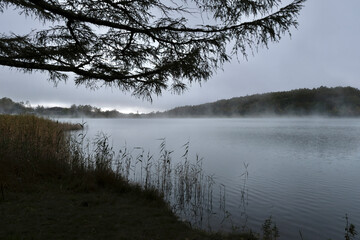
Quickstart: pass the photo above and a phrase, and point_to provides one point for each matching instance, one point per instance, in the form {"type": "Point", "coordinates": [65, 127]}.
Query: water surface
{"type": "Point", "coordinates": [304, 172]}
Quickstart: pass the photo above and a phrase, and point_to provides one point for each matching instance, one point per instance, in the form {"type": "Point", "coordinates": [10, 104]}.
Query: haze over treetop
{"type": "Point", "coordinates": [322, 101]}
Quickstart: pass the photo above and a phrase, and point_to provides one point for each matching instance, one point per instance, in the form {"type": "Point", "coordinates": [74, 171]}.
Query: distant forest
{"type": "Point", "coordinates": [7, 106]}
{"type": "Point", "coordinates": [322, 101]}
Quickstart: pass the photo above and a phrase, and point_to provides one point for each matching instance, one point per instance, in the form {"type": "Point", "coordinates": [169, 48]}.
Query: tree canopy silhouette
{"type": "Point", "coordinates": [142, 46]}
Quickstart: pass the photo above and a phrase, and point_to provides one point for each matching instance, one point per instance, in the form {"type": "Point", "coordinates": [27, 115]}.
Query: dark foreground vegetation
{"type": "Point", "coordinates": [49, 191]}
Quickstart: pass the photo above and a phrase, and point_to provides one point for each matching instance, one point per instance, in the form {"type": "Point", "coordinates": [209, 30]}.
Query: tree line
{"type": "Point", "coordinates": [8, 106]}
{"type": "Point", "coordinates": [323, 101]}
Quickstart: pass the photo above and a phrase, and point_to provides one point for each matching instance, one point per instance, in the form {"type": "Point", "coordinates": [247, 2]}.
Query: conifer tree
{"type": "Point", "coordinates": [142, 46]}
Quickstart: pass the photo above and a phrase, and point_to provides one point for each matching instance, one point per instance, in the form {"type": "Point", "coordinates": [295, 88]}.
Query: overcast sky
{"type": "Point", "coordinates": [323, 51]}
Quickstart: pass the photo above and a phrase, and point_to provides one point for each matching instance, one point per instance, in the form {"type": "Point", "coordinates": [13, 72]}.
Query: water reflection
{"type": "Point", "coordinates": [303, 172]}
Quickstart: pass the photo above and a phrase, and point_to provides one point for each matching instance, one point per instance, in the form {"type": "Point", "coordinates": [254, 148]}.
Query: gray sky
{"type": "Point", "coordinates": [323, 51]}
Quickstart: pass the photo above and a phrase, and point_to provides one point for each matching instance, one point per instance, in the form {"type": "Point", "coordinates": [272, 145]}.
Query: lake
{"type": "Point", "coordinates": [304, 172]}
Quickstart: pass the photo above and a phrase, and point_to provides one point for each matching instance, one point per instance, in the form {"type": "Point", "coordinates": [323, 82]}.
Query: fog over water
{"type": "Point", "coordinates": [304, 172]}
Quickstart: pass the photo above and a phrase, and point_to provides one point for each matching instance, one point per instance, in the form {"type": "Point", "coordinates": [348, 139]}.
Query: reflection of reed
{"type": "Point", "coordinates": [184, 185]}
{"type": "Point", "coordinates": [244, 192]}
{"type": "Point", "coordinates": [227, 218]}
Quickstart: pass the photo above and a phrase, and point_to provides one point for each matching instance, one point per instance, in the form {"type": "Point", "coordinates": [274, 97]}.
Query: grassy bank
{"type": "Point", "coordinates": [49, 190]}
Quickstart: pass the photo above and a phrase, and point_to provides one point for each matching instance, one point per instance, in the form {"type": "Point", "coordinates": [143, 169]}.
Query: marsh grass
{"type": "Point", "coordinates": [182, 183]}
{"type": "Point", "coordinates": [36, 152]}
{"type": "Point", "coordinates": [36, 149]}
{"type": "Point", "coordinates": [48, 173]}
{"type": "Point", "coordinates": [31, 148]}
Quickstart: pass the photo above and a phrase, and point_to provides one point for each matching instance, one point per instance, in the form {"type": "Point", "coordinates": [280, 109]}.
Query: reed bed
{"type": "Point", "coordinates": [38, 150]}
{"type": "Point", "coordinates": [31, 147]}
{"type": "Point", "coordinates": [35, 149]}
{"type": "Point", "coordinates": [182, 183]}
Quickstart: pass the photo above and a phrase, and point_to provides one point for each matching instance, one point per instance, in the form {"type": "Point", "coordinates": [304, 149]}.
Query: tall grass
{"type": "Point", "coordinates": [34, 150]}
{"type": "Point", "coordinates": [182, 183]}
{"type": "Point", "coordinates": [31, 147]}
